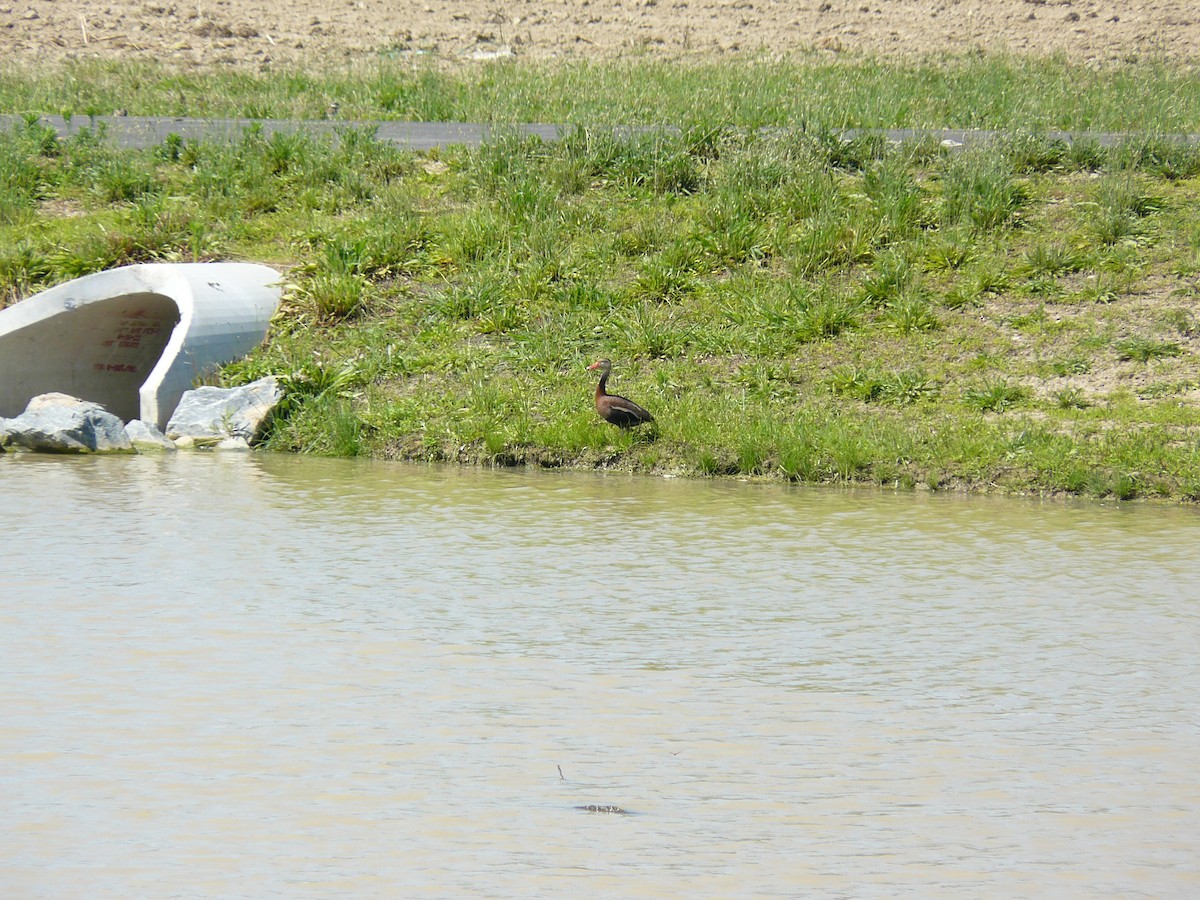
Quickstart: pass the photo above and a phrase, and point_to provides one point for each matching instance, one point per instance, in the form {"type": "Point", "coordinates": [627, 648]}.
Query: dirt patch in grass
{"type": "Point", "coordinates": [61, 208]}
{"type": "Point", "coordinates": [225, 32]}
{"type": "Point", "coordinates": [1142, 351]}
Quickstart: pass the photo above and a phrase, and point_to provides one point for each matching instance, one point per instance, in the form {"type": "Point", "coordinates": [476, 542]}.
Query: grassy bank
{"type": "Point", "coordinates": [820, 91]}
{"type": "Point", "coordinates": [1020, 317]}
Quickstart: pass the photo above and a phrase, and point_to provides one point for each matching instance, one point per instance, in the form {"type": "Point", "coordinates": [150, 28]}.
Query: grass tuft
{"type": "Point", "coordinates": [996, 394]}
{"type": "Point", "coordinates": [1143, 349]}
{"type": "Point", "coordinates": [980, 189]}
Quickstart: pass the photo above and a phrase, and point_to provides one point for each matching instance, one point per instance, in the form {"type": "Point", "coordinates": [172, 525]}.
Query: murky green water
{"type": "Point", "coordinates": [268, 676]}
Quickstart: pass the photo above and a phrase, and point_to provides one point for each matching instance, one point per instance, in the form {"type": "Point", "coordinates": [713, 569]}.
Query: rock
{"type": "Point", "coordinates": [209, 414]}
{"type": "Point", "coordinates": [60, 423]}
{"type": "Point", "coordinates": [233, 443]}
{"type": "Point", "coordinates": [482, 54]}
{"type": "Point", "coordinates": [145, 436]}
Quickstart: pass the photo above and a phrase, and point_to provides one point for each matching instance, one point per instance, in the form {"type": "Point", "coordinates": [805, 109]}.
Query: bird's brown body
{"type": "Point", "coordinates": [620, 411]}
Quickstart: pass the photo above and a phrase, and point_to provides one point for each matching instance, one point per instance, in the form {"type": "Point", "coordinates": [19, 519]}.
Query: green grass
{"type": "Point", "coordinates": [1141, 349]}
{"type": "Point", "coordinates": [1012, 94]}
{"type": "Point", "coordinates": [996, 394]}
{"type": "Point", "coordinates": [1019, 317]}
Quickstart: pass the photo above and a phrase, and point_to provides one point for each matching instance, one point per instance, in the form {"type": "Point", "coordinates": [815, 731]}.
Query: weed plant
{"type": "Point", "coordinates": [1019, 316]}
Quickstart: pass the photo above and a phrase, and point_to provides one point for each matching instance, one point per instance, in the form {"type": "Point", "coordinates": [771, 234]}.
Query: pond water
{"type": "Point", "coordinates": [230, 675]}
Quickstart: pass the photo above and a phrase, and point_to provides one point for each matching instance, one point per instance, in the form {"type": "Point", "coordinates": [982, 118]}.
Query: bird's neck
{"type": "Point", "coordinates": [602, 387]}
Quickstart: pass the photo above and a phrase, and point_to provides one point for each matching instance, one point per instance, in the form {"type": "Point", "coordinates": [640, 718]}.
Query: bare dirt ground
{"type": "Point", "coordinates": [331, 32]}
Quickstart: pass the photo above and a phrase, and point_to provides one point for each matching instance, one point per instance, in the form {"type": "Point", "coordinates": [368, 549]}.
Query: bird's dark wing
{"type": "Point", "coordinates": [623, 412]}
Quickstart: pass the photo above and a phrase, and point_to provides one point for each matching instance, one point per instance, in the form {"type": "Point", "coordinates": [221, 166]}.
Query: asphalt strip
{"type": "Point", "coordinates": [139, 132]}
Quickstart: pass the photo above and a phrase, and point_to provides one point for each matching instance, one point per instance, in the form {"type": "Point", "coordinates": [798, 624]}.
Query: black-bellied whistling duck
{"type": "Point", "coordinates": [620, 411]}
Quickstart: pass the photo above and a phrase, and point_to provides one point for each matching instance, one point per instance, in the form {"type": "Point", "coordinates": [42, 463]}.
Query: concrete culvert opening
{"type": "Point", "coordinates": [133, 339]}
{"type": "Point", "coordinates": [104, 354]}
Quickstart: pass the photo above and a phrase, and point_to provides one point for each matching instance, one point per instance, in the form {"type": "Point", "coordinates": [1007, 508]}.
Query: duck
{"type": "Point", "coordinates": [619, 411]}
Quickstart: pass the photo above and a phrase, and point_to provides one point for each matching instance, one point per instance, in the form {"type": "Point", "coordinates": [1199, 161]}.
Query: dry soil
{"type": "Point", "coordinates": [331, 32]}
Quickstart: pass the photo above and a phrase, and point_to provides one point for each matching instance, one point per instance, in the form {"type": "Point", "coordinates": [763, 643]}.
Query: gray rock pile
{"type": "Point", "coordinates": [224, 418]}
